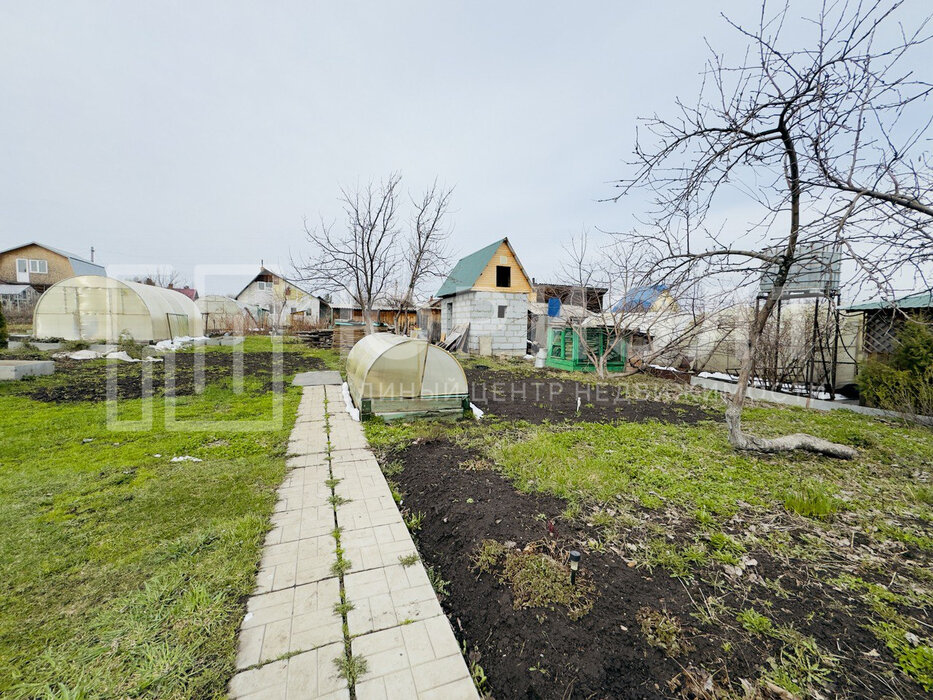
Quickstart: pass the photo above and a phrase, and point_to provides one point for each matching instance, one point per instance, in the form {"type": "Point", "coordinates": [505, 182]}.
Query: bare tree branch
{"type": "Point", "coordinates": [816, 136]}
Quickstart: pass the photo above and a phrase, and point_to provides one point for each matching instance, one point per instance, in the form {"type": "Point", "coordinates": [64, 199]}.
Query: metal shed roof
{"type": "Point", "coordinates": [13, 289]}
{"type": "Point", "coordinates": [922, 300]}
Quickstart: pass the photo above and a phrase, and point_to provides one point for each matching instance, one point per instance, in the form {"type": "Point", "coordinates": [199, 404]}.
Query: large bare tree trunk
{"type": "Point", "coordinates": [740, 440]}
{"type": "Point", "coordinates": [367, 319]}
{"type": "Point", "coordinates": [837, 101]}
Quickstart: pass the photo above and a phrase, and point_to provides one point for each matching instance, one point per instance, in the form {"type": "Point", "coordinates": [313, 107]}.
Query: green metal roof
{"type": "Point", "coordinates": [468, 270]}
{"type": "Point", "coordinates": [923, 300]}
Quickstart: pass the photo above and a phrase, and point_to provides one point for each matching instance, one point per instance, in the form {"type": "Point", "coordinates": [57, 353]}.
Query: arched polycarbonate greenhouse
{"type": "Point", "coordinates": [221, 314]}
{"type": "Point", "coordinates": [396, 377]}
{"type": "Point", "coordinates": [96, 308]}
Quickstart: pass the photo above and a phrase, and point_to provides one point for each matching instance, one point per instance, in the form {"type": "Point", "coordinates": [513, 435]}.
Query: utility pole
{"type": "Point", "coordinates": [92, 253]}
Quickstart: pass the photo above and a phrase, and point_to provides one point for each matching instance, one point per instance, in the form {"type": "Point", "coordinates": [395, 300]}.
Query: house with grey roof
{"type": "Point", "coordinates": [40, 266]}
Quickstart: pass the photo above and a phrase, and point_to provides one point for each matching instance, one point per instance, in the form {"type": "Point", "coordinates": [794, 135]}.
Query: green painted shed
{"type": "Point", "coordinates": [566, 349]}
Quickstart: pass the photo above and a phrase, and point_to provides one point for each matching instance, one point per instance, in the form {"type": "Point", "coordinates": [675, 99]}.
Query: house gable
{"type": "Point", "coordinates": [268, 285]}
{"type": "Point", "coordinates": [494, 268]}
{"type": "Point", "coordinates": [42, 266]}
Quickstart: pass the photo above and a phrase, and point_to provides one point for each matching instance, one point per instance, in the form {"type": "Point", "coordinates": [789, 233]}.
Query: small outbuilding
{"type": "Point", "coordinates": [15, 298]}
{"type": "Point", "coordinates": [96, 308]}
{"type": "Point", "coordinates": [222, 314]}
{"type": "Point", "coordinates": [393, 376]}
{"type": "Point", "coordinates": [566, 349]}
{"type": "Point", "coordinates": [485, 297]}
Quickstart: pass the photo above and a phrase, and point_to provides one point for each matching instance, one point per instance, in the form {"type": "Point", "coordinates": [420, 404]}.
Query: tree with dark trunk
{"type": "Point", "coordinates": [427, 255]}
{"type": "Point", "coordinates": [371, 261]}
{"type": "Point", "coordinates": [361, 260]}
{"type": "Point", "coordinates": [825, 138]}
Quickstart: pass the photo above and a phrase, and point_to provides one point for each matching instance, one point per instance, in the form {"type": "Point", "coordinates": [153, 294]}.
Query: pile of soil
{"type": "Point", "coordinates": [538, 653]}
{"type": "Point", "coordinates": [536, 400]}
{"type": "Point", "coordinates": [83, 380]}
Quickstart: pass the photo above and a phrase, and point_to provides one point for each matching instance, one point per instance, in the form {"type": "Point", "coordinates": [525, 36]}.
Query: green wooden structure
{"type": "Point", "coordinates": [566, 351]}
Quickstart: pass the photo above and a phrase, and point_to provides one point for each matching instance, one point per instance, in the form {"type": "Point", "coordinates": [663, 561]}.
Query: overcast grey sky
{"type": "Point", "coordinates": [203, 132]}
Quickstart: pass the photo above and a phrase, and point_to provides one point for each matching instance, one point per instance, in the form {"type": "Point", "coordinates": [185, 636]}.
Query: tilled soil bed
{"type": "Point", "coordinates": [536, 400]}
{"type": "Point", "coordinates": [542, 653]}
{"type": "Point", "coordinates": [83, 380]}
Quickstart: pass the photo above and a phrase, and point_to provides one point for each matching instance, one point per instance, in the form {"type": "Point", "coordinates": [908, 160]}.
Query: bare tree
{"type": "Point", "coordinates": [427, 254]}
{"type": "Point", "coordinates": [826, 139]}
{"type": "Point", "coordinates": [361, 260]}
{"type": "Point", "coordinates": [164, 276]}
{"type": "Point", "coordinates": [372, 261]}
{"type": "Point", "coordinates": [625, 318]}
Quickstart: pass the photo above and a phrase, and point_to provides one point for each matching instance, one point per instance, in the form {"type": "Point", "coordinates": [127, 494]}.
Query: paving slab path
{"type": "Point", "coordinates": [336, 586]}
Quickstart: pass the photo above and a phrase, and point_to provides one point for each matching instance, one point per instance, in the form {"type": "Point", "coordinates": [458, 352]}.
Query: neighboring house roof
{"type": "Point", "coordinates": [80, 266]}
{"type": "Point", "coordinates": [187, 291]}
{"type": "Point", "coordinates": [14, 289]}
{"type": "Point", "coordinates": [921, 300]}
{"type": "Point", "coordinates": [640, 298]}
{"type": "Point", "coordinates": [266, 271]}
{"type": "Point", "coordinates": [342, 301]}
{"type": "Point", "coordinates": [560, 288]}
{"type": "Point", "coordinates": [468, 269]}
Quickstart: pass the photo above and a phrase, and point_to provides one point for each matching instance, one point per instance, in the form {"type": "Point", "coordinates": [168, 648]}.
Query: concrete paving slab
{"type": "Point", "coordinates": [17, 369]}
{"type": "Point", "coordinates": [294, 619]}
{"type": "Point", "coordinates": [290, 525]}
{"type": "Point", "coordinates": [310, 674]}
{"type": "Point", "coordinates": [426, 648]}
{"type": "Point", "coordinates": [296, 562]}
{"type": "Point", "coordinates": [396, 622]}
{"type": "Point", "coordinates": [389, 597]}
{"type": "Point", "coordinates": [319, 378]}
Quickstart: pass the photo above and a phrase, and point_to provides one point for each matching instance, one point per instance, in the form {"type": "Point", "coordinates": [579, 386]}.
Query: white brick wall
{"type": "Point", "coordinates": [481, 311]}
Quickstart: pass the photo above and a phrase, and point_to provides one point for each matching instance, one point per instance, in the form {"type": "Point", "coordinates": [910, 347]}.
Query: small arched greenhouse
{"type": "Point", "coordinates": [394, 377]}
{"type": "Point", "coordinates": [96, 308]}
{"type": "Point", "coordinates": [222, 314]}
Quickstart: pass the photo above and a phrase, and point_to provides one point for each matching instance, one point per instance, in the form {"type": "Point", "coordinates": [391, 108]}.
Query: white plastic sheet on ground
{"type": "Point", "coordinates": [477, 411]}
{"type": "Point", "coordinates": [351, 409]}
{"type": "Point", "coordinates": [78, 355]}
{"type": "Point", "coordinates": [178, 343]}
{"type": "Point", "coordinates": [121, 355]}
{"type": "Point", "coordinates": [186, 458]}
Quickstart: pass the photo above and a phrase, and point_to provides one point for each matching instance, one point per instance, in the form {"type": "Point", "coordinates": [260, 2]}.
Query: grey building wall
{"type": "Point", "coordinates": [488, 332]}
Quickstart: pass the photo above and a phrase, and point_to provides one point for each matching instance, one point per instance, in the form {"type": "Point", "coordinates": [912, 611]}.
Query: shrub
{"type": "Point", "coordinates": [905, 383]}
{"type": "Point", "coordinates": [914, 351]}
{"type": "Point", "coordinates": [3, 333]}
{"type": "Point", "coordinates": [663, 630]}
{"type": "Point", "coordinates": [127, 344]}
{"type": "Point", "coordinates": [540, 581]}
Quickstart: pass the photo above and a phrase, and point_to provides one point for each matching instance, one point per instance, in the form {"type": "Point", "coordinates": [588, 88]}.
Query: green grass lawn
{"type": "Point", "coordinates": [124, 573]}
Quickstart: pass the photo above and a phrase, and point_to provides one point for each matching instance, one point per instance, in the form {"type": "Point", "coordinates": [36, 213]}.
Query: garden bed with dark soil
{"type": "Point", "coordinates": [536, 400]}
{"type": "Point", "coordinates": [86, 380]}
{"type": "Point", "coordinates": [542, 653]}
